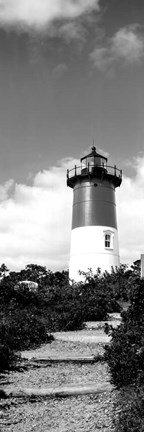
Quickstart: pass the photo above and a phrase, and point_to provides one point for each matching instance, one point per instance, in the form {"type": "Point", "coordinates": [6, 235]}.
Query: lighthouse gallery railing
{"type": "Point", "coordinates": [91, 169]}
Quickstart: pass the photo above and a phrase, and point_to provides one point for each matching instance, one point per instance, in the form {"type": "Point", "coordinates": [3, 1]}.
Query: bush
{"type": "Point", "coordinates": [122, 281]}
{"type": "Point", "coordinates": [63, 309]}
{"type": "Point", "coordinates": [8, 357]}
{"type": "Point", "coordinates": [20, 329]}
{"type": "Point", "coordinates": [129, 410]}
{"type": "Point", "coordinates": [29, 316]}
{"type": "Point", "coordinates": [27, 329]}
{"type": "Point", "coordinates": [97, 299]}
{"type": "Point", "coordinates": [55, 305]}
{"type": "Point", "coordinates": [125, 352]}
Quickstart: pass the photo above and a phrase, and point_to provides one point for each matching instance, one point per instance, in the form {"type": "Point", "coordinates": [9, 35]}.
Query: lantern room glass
{"type": "Point", "coordinates": [93, 161]}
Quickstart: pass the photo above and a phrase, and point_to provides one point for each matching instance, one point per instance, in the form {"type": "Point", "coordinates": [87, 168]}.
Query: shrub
{"type": "Point", "coordinates": [20, 329]}
{"type": "Point", "coordinates": [63, 307]}
{"type": "Point", "coordinates": [97, 299]}
{"type": "Point", "coordinates": [129, 410]}
{"type": "Point", "coordinates": [122, 281]}
{"type": "Point", "coordinates": [27, 329]}
{"type": "Point", "coordinates": [56, 305]}
{"type": "Point", "coordinates": [125, 352]}
{"type": "Point", "coordinates": [8, 357]}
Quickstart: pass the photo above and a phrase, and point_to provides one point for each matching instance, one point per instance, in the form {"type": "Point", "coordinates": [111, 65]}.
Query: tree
{"type": "Point", "coordinates": [33, 272]}
{"type": "Point", "coordinates": [3, 270]}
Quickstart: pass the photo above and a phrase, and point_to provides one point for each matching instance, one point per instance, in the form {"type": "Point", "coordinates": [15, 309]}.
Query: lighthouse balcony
{"type": "Point", "coordinates": [111, 173]}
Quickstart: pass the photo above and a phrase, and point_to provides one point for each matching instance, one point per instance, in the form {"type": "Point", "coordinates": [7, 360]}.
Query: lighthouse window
{"type": "Point", "coordinates": [90, 161]}
{"type": "Point", "coordinates": [107, 240]}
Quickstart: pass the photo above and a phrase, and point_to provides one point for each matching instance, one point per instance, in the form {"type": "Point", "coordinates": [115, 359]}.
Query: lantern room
{"type": "Point", "coordinates": [93, 161]}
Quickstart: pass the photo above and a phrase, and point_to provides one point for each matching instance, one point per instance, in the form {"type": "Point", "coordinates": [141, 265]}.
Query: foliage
{"type": "Point", "coordinates": [129, 410]}
{"type": "Point", "coordinates": [61, 307]}
{"type": "Point", "coordinates": [97, 299]}
{"type": "Point", "coordinates": [19, 329]}
{"type": "Point", "coordinates": [8, 357]}
{"type": "Point", "coordinates": [125, 353]}
{"type": "Point", "coordinates": [122, 282]}
{"type": "Point", "coordinates": [28, 314]}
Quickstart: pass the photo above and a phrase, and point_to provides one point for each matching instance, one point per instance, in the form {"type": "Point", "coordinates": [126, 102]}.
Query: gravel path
{"type": "Point", "coordinates": [63, 347]}
{"type": "Point", "coordinates": [81, 413]}
{"type": "Point", "coordinates": [93, 336]}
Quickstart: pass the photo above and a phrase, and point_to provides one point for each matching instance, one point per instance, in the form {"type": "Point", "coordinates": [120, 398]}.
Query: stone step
{"type": "Point", "coordinates": [96, 325]}
{"type": "Point", "coordinates": [64, 359]}
{"type": "Point", "coordinates": [82, 337]}
{"type": "Point", "coordinates": [61, 391]}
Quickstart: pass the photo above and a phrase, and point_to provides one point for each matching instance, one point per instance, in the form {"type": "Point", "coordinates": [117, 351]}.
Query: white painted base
{"type": "Point", "coordinates": [88, 250]}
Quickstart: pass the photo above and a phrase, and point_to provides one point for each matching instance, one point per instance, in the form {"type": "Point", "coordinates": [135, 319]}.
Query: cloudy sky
{"type": "Point", "coordinates": [70, 71]}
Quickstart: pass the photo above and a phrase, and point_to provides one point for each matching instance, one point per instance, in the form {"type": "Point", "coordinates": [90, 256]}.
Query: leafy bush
{"type": "Point", "coordinates": [125, 353]}
{"type": "Point", "coordinates": [55, 305]}
{"type": "Point", "coordinates": [97, 299]}
{"type": "Point", "coordinates": [122, 282]}
{"type": "Point", "coordinates": [129, 410]}
{"type": "Point", "coordinates": [8, 357]}
{"type": "Point", "coordinates": [28, 316]}
{"type": "Point", "coordinates": [62, 307]}
{"type": "Point", "coordinates": [26, 329]}
{"type": "Point", "coordinates": [20, 329]}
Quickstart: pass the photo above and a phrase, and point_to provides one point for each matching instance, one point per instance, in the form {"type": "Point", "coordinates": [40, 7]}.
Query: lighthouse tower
{"type": "Point", "coordinates": [94, 236]}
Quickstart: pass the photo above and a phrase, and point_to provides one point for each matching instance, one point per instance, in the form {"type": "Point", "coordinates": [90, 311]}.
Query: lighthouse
{"type": "Point", "coordinates": [94, 235]}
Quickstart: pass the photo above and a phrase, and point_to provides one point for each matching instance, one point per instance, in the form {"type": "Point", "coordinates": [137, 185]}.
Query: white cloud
{"type": "Point", "coordinates": [35, 221]}
{"type": "Point", "coordinates": [126, 47]}
{"type": "Point", "coordinates": [128, 44]}
{"type": "Point", "coordinates": [60, 70]}
{"type": "Point", "coordinates": [72, 31]}
{"type": "Point", "coordinates": [5, 189]}
{"type": "Point", "coordinates": [101, 58]}
{"type": "Point", "coordinates": [130, 206]}
{"type": "Point", "coordinates": [38, 14]}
